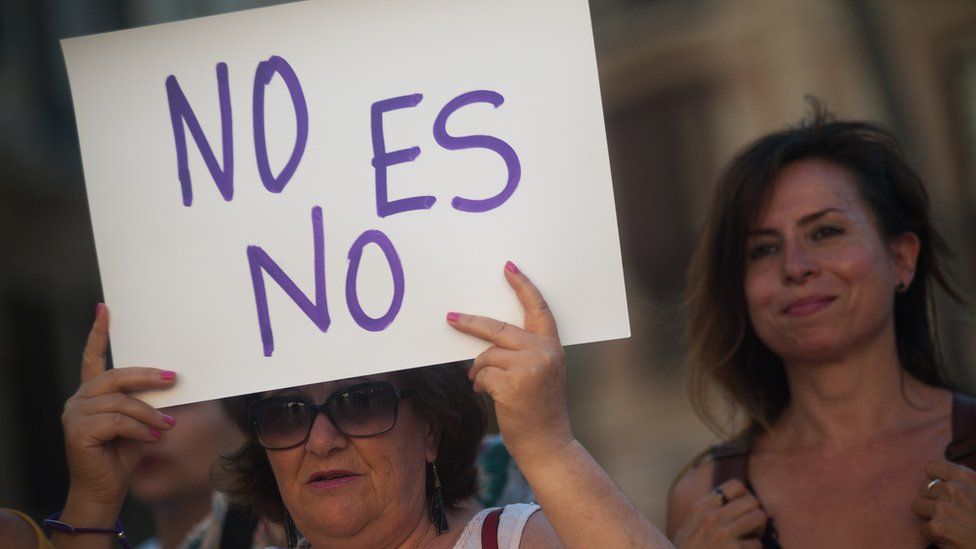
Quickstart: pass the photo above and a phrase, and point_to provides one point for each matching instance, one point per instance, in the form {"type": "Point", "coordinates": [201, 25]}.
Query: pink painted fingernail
{"type": "Point", "coordinates": [512, 268]}
{"type": "Point", "coordinates": [169, 419]}
{"type": "Point", "coordinates": [168, 375]}
{"type": "Point", "coordinates": [155, 433]}
{"type": "Point", "coordinates": [453, 317]}
{"type": "Point", "coordinates": [98, 309]}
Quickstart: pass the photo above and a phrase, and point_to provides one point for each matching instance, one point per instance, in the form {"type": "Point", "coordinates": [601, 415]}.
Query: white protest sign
{"type": "Point", "coordinates": [301, 193]}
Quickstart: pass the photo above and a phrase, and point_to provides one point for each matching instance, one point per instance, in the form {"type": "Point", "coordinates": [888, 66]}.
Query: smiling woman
{"type": "Point", "coordinates": [819, 275]}
{"type": "Point", "coordinates": [811, 310]}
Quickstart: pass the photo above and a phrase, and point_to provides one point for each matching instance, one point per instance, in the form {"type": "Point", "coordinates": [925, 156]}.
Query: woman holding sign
{"type": "Point", "coordinates": [811, 299]}
{"type": "Point", "coordinates": [378, 461]}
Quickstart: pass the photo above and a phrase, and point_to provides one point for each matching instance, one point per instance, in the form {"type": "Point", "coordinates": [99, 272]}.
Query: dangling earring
{"type": "Point", "coordinates": [901, 288]}
{"type": "Point", "coordinates": [291, 531]}
{"type": "Point", "coordinates": [437, 512]}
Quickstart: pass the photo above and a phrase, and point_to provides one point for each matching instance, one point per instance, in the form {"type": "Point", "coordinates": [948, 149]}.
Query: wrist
{"type": "Point", "coordinates": [543, 449]}
{"type": "Point", "coordinates": [86, 510]}
{"type": "Point", "coordinates": [62, 531]}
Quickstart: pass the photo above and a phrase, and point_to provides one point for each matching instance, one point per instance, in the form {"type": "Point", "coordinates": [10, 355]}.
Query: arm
{"type": "Point", "coordinates": [104, 430]}
{"type": "Point", "coordinates": [524, 373]}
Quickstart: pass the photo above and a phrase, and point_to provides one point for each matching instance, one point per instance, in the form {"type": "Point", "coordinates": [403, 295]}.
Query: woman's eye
{"type": "Point", "coordinates": [293, 408]}
{"type": "Point", "coordinates": [826, 232]}
{"type": "Point", "coordinates": [761, 250]}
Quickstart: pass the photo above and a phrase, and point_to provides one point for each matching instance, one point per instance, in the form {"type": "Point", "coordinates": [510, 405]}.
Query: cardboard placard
{"type": "Point", "coordinates": [300, 193]}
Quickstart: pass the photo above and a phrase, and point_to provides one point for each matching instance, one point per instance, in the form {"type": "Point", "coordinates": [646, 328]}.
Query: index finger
{"type": "Point", "coordinates": [946, 470]}
{"type": "Point", "coordinates": [501, 334]}
{"type": "Point", "coordinates": [93, 357]}
{"type": "Point", "coordinates": [538, 316]}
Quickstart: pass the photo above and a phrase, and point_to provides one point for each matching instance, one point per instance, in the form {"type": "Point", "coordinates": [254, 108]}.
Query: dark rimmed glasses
{"type": "Point", "coordinates": [362, 410]}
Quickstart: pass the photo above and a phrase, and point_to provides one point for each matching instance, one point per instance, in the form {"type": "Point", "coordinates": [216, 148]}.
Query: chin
{"type": "Point", "coordinates": [328, 524]}
{"type": "Point", "coordinates": [153, 492]}
{"type": "Point", "coordinates": [813, 347]}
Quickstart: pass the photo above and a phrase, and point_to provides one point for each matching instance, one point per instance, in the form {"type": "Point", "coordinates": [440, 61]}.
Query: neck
{"type": "Point", "coordinates": [420, 532]}
{"type": "Point", "coordinates": [844, 401]}
{"type": "Point", "coordinates": [174, 519]}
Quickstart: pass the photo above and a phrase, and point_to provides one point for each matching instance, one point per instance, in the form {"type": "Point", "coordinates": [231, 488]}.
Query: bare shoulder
{"type": "Point", "coordinates": [15, 531]}
{"type": "Point", "coordinates": [692, 483]}
{"type": "Point", "coordinates": [538, 533]}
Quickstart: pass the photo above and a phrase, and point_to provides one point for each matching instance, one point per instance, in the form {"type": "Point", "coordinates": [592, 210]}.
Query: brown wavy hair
{"type": "Point", "coordinates": [727, 358]}
{"type": "Point", "coordinates": [441, 394]}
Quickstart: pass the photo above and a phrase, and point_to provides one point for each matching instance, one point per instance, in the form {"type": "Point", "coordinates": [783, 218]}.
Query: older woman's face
{"type": "Point", "coordinates": [336, 486]}
{"type": "Point", "coordinates": [820, 279]}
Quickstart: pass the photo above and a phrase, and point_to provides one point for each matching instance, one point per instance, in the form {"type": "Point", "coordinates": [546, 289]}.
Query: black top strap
{"type": "Point", "coordinates": [962, 449]}
{"type": "Point", "coordinates": [731, 461]}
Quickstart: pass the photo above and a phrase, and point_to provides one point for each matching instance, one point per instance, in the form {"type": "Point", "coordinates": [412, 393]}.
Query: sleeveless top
{"type": "Point", "coordinates": [511, 523]}
{"type": "Point", "coordinates": [731, 459]}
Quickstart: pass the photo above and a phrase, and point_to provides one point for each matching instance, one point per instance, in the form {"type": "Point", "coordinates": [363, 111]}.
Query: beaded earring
{"type": "Point", "coordinates": [438, 514]}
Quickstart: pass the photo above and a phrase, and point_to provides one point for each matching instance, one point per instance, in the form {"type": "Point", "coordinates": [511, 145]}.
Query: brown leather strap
{"type": "Point", "coordinates": [731, 461]}
{"type": "Point", "coordinates": [489, 530]}
{"type": "Point", "coordinates": [962, 449]}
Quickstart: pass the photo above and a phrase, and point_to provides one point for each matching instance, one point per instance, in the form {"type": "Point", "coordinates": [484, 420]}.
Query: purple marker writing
{"type": "Point", "coordinates": [500, 147]}
{"type": "Point", "coordinates": [317, 311]}
{"type": "Point", "coordinates": [396, 269]}
{"type": "Point", "coordinates": [383, 159]}
{"type": "Point", "coordinates": [182, 116]}
{"type": "Point", "coordinates": [262, 77]}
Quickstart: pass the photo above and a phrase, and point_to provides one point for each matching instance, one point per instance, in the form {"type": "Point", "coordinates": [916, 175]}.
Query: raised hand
{"type": "Point", "coordinates": [523, 371]}
{"type": "Point", "coordinates": [104, 430]}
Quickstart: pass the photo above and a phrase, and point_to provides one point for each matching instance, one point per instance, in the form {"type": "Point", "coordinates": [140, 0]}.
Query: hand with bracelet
{"type": "Point", "coordinates": [104, 430]}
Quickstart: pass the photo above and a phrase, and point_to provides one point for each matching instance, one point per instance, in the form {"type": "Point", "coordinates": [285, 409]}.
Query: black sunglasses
{"type": "Point", "coordinates": [362, 410]}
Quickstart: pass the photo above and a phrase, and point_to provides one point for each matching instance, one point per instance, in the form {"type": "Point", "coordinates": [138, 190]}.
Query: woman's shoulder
{"type": "Point", "coordinates": [538, 533]}
{"type": "Point", "coordinates": [518, 525]}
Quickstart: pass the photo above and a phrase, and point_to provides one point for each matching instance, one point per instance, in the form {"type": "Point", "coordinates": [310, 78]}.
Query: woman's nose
{"type": "Point", "coordinates": [799, 264]}
{"type": "Point", "coordinates": [324, 438]}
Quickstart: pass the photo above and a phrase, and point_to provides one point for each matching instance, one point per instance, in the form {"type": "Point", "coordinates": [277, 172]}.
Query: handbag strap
{"type": "Point", "coordinates": [489, 529]}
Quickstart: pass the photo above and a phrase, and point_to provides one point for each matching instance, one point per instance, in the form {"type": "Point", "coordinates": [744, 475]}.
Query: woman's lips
{"type": "Point", "coordinates": [808, 306]}
{"type": "Point", "coordinates": [152, 464]}
{"type": "Point", "coordinates": [328, 480]}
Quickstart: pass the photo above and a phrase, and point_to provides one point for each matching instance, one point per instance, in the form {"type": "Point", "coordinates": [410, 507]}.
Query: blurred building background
{"type": "Point", "coordinates": [685, 84]}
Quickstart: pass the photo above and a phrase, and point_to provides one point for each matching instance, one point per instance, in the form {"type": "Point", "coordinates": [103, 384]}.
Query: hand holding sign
{"type": "Point", "coordinates": [524, 370]}
{"type": "Point", "coordinates": [104, 429]}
